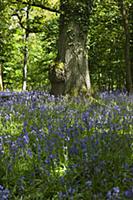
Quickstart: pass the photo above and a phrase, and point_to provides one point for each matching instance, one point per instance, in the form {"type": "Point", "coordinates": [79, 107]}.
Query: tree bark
{"type": "Point", "coordinates": [26, 36]}
{"type": "Point", "coordinates": [1, 79]}
{"type": "Point", "coordinates": [70, 74]}
{"type": "Point", "coordinates": [124, 13]}
{"type": "Point", "coordinates": [131, 37]}
{"type": "Point", "coordinates": [25, 64]}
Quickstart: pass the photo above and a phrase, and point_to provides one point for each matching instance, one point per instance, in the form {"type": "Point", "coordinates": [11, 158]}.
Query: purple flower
{"type": "Point", "coordinates": [1, 149]}
{"type": "Point", "coordinates": [7, 117]}
{"type": "Point", "coordinates": [26, 138]}
{"type": "Point", "coordinates": [113, 194]}
{"type": "Point", "coordinates": [117, 108]}
{"type": "Point", "coordinates": [73, 150]}
{"type": "Point", "coordinates": [71, 190]}
{"type": "Point", "coordinates": [88, 183]}
{"type": "Point", "coordinates": [4, 193]}
{"type": "Point", "coordinates": [116, 189]}
{"type": "Point", "coordinates": [129, 193]}
{"type": "Point", "coordinates": [29, 152]}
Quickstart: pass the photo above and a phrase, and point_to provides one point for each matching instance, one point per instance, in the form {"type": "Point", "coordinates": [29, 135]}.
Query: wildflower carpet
{"type": "Point", "coordinates": [61, 148]}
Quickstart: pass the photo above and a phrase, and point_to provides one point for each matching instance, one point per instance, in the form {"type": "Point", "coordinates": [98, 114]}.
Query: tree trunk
{"type": "Point", "coordinates": [26, 36]}
{"type": "Point", "coordinates": [70, 73]}
{"type": "Point", "coordinates": [1, 79]}
{"type": "Point", "coordinates": [124, 13]}
{"type": "Point", "coordinates": [25, 64]}
{"type": "Point", "coordinates": [131, 38]}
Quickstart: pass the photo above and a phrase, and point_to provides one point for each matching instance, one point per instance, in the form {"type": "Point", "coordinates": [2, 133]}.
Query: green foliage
{"type": "Point", "coordinates": [41, 45]}
{"type": "Point", "coordinates": [42, 55]}
{"type": "Point", "coordinates": [78, 12]}
{"type": "Point", "coordinates": [106, 43]}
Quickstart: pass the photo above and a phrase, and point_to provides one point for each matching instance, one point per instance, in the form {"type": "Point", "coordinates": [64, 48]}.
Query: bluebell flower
{"type": "Point", "coordinates": [1, 187]}
{"type": "Point", "coordinates": [1, 149]}
{"type": "Point", "coordinates": [129, 193]}
{"type": "Point", "coordinates": [47, 161]}
{"type": "Point", "coordinates": [71, 191]}
{"type": "Point", "coordinates": [61, 195]}
{"type": "Point", "coordinates": [26, 138]}
{"type": "Point", "coordinates": [88, 183]}
{"type": "Point", "coordinates": [4, 193]}
{"type": "Point", "coordinates": [29, 152]}
{"type": "Point", "coordinates": [113, 194]}
{"type": "Point", "coordinates": [117, 108]}
{"type": "Point", "coordinates": [116, 189]}
{"type": "Point", "coordinates": [109, 195]}
{"type": "Point", "coordinates": [73, 150]}
{"type": "Point", "coordinates": [7, 117]}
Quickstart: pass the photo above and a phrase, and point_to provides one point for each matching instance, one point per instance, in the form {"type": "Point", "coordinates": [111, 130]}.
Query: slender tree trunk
{"type": "Point", "coordinates": [1, 79]}
{"type": "Point", "coordinates": [25, 64]}
{"type": "Point", "coordinates": [70, 73]}
{"type": "Point", "coordinates": [26, 36]}
{"type": "Point", "coordinates": [131, 38]}
{"type": "Point", "coordinates": [124, 13]}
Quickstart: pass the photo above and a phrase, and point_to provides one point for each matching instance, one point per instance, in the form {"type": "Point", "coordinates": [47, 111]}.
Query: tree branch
{"type": "Point", "coordinates": [34, 4]}
{"type": "Point", "coordinates": [20, 20]}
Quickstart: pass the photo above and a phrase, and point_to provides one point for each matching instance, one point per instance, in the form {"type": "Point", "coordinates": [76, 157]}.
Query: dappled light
{"type": "Point", "coordinates": [66, 100]}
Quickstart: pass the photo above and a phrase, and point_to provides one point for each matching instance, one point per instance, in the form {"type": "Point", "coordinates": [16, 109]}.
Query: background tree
{"type": "Point", "coordinates": [38, 24]}
{"type": "Point", "coordinates": [131, 36]}
{"type": "Point", "coordinates": [124, 9]}
{"type": "Point", "coordinates": [1, 47]}
{"type": "Point", "coordinates": [5, 43]}
{"type": "Point", "coordinates": [106, 46]}
{"type": "Point", "coordinates": [26, 36]}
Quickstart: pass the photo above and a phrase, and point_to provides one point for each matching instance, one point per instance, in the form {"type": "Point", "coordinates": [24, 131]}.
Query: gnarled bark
{"type": "Point", "coordinates": [73, 77]}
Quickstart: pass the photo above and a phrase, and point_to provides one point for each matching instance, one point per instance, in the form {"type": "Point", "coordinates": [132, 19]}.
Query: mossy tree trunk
{"type": "Point", "coordinates": [70, 73]}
